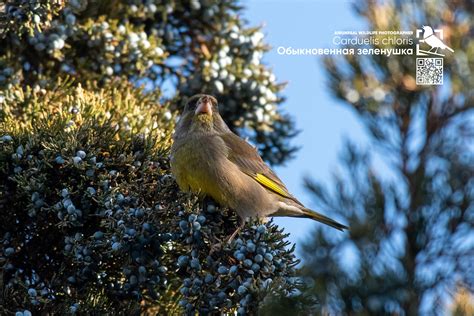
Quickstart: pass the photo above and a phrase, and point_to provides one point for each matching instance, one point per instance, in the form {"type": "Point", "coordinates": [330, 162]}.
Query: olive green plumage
{"type": "Point", "coordinates": [209, 159]}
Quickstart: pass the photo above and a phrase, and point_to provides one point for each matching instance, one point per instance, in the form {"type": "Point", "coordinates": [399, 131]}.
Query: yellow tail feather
{"type": "Point", "coordinates": [293, 210]}
{"type": "Point", "coordinates": [322, 219]}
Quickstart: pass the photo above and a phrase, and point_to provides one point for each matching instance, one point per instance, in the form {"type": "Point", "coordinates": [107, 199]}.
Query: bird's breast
{"type": "Point", "coordinates": [197, 164]}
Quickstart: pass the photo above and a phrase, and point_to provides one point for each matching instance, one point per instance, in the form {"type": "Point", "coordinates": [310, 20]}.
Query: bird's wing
{"type": "Point", "coordinates": [435, 42]}
{"type": "Point", "coordinates": [249, 162]}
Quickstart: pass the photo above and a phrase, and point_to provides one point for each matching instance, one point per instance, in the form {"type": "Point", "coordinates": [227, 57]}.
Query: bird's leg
{"type": "Point", "coordinates": [239, 228]}
{"type": "Point", "coordinates": [218, 246]}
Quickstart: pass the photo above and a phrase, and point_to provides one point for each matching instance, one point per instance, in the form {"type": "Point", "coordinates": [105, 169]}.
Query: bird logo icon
{"type": "Point", "coordinates": [430, 38]}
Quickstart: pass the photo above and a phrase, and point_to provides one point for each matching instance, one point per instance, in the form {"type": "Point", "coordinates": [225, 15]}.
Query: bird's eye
{"type": "Point", "coordinates": [192, 105]}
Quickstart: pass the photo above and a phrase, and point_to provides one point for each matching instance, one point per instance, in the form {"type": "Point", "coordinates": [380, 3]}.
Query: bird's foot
{"type": "Point", "coordinates": [217, 247]}
{"type": "Point", "coordinates": [231, 237]}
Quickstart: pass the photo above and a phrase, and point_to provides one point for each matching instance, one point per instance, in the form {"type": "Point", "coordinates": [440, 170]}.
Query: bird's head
{"type": "Point", "coordinates": [201, 114]}
{"type": "Point", "coordinates": [427, 28]}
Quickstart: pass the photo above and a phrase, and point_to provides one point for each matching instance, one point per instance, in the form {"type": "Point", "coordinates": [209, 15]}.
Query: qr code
{"type": "Point", "coordinates": [429, 71]}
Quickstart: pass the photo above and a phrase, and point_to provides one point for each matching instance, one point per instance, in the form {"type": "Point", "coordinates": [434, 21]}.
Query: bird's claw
{"type": "Point", "coordinates": [215, 248]}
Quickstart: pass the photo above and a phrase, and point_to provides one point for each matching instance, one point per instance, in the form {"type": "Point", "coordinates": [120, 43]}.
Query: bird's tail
{"type": "Point", "coordinates": [295, 210]}
{"type": "Point", "coordinates": [323, 219]}
{"type": "Point", "coordinates": [449, 48]}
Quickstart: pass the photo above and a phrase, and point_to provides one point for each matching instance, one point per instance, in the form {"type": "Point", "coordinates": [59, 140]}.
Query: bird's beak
{"type": "Point", "coordinates": [204, 107]}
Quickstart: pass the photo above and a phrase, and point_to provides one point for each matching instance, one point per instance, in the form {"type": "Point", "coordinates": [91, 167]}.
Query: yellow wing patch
{"type": "Point", "coordinates": [272, 185]}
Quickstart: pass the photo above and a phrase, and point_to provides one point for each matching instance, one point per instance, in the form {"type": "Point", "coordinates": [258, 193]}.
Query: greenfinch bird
{"type": "Point", "coordinates": [207, 158]}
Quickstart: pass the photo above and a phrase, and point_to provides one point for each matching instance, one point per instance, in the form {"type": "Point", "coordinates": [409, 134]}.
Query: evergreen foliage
{"type": "Point", "coordinates": [91, 220]}
{"type": "Point", "coordinates": [411, 213]}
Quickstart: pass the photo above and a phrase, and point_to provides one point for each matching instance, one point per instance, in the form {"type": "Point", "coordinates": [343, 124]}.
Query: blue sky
{"type": "Point", "coordinates": [324, 122]}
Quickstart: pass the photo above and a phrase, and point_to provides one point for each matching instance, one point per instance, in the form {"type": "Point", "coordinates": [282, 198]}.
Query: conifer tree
{"type": "Point", "coordinates": [411, 225]}
{"type": "Point", "coordinates": [91, 220]}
